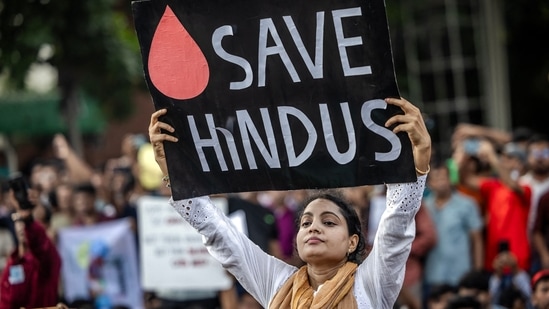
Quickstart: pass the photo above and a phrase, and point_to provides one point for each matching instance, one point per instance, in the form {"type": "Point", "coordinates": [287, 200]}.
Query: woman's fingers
{"type": "Point", "coordinates": [162, 125]}
{"type": "Point", "coordinates": [406, 106]}
{"type": "Point", "coordinates": [155, 115]}
{"type": "Point", "coordinates": [156, 127]}
{"type": "Point", "coordinates": [399, 119]}
{"type": "Point", "coordinates": [160, 137]}
{"type": "Point", "coordinates": [412, 123]}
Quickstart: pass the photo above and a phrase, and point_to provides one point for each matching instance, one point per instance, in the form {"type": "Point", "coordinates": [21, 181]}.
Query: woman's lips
{"type": "Point", "coordinates": [313, 240]}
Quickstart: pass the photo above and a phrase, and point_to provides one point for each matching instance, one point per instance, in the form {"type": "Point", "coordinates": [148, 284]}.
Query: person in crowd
{"type": "Point", "coordinates": [128, 160]}
{"type": "Point", "coordinates": [476, 284]}
{"type": "Point", "coordinates": [122, 187]}
{"type": "Point", "coordinates": [509, 285]}
{"type": "Point", "coordinates": [439, 296]}
{"type": "Point", "coordinates": [84, 205]}
{"type": "Point", "coordinates": [411, 295]}
{"type": "Point", "coordinates": [376, 207]}
{"type": "Point", "coordinates": [465, 142]}
{"type": "Point", "coordinates": [463, 302]}
{"type": "Point", "coordinates": [512, 298]}
{"type": "Point", "coordinates": [76, 169]}
{"type": "Point", "coordinates": [540, 233]}
{"type": "Point", "coordinates": [466, 161]}
{"type": "Point", "coordinates": [359, 197]}
{"type": "Point", "coordinates": [46, 175]}
{"type": "Point", "coordinates": [508, 202]}
{"type": "Point", "coordinates": [537, 177]}
{"type": "Point", "coordinates": [261, 228]}
{"type": "Point", "coordinates": [329, 240]}
{"type": "Point", "coordinates": [467, 131]}
{"type": "Point", "coordinates": [6, 209]}
{"type": "Point", "coordinates": [540, 289]}
{"type": "Point", "coordinates": [7, 240]}
{"type": "Point", "coordinates": [7, 244]}
{"type": "Point", "coordinates": [285, 220]}
{"type": "Point", "coordinates": [31, 276]}
{"type": "Point", "coordinates": [460, 247]}
{"type": "Point", "coordinates": [60, 202]}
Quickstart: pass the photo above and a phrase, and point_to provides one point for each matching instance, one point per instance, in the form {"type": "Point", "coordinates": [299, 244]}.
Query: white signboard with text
{"type": "Point", "coordinates": [172, 252]}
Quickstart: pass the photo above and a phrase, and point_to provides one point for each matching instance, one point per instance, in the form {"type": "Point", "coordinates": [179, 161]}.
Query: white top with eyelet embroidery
{"type": "Point", "coordinates": [377, 281]}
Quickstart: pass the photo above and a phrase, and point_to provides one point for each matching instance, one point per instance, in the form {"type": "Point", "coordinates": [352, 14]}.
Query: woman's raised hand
{"type": "Point", "coordinates": [157, 138]}
{"type": "Point", "coordinates": [412, 123]}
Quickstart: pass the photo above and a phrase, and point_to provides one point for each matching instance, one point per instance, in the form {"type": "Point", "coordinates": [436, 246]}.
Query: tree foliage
{"type": "Point", "coordinates": [95, 47]}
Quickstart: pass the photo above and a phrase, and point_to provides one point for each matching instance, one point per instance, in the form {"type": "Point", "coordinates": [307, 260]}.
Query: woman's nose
{"type": "Point", "coordinates": [315, 227]}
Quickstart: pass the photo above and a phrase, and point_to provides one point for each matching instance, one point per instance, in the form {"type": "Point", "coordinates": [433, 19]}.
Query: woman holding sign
{"type": "Point", "coordinates": [329, 239]}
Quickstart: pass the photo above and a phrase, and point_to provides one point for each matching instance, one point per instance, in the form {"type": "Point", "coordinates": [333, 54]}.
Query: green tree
{"type": "Point", "coordinates": [95, 51]}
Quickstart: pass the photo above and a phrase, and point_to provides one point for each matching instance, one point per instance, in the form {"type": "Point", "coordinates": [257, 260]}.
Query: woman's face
{"type": "Point", "coordinates": [323, 236]}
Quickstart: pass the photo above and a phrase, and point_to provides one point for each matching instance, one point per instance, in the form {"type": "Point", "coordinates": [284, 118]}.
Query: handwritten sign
{"type": "Point", "coordinates": [272, 94]}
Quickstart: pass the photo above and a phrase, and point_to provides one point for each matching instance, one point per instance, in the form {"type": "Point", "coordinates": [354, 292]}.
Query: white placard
{"type": "Point", "coordinates": [172, 252]}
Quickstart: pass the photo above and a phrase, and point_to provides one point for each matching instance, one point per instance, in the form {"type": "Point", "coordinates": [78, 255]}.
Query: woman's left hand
{"type": "Point", "coordinates": [412, 123]}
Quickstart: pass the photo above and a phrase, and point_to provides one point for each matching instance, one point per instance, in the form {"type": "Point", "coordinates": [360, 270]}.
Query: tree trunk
{"type": "Point", "coordinates": [70, 109]}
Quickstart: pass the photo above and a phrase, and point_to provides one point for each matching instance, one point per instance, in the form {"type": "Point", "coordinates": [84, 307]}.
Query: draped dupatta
{"type": "Point", "coordinates": [297, 293]}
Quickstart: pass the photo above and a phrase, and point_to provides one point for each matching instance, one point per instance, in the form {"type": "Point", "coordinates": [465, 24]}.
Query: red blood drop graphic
{"type": "Point", "coordinates": [177, 66]}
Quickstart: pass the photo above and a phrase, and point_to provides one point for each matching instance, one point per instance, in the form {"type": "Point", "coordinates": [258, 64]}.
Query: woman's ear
{"type": "Point", "coordinates": [353, 243]}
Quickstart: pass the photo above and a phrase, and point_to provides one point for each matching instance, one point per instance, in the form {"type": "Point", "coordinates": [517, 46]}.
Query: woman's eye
{"type": "Point", "coordinates": [305, 224]}
{"type": "Point", "coordinates": [329, 223]}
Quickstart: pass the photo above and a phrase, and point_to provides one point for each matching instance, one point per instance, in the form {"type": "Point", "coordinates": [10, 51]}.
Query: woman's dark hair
{"type": "Point", "coordinates": [351, 217]}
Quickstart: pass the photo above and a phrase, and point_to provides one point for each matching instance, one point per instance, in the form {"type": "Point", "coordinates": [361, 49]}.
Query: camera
{"type": "Point", "coordinates": [20, 190]}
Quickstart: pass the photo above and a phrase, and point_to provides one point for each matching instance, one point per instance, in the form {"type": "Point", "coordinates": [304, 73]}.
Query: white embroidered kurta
{"type": "Point", "coordinates": [377, 281]}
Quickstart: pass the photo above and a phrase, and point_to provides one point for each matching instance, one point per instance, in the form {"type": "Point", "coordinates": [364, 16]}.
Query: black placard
{"type": "Point", "coordinates": [278, 94]}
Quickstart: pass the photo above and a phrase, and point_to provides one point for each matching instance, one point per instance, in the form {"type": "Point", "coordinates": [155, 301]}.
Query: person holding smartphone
{"type": "Point", "coordinates": [507, 201]}
{"type": "Point", "coordinates": [31, 276]}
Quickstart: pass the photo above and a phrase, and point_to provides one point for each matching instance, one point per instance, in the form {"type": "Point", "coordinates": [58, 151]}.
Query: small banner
{"type": "Point", "coordinates": [101, 260]}
{"type": "Point", "coordinates": [274, 94]}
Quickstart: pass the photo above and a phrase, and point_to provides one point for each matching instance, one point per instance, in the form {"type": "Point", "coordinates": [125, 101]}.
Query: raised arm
{"type": "Point", "coordinates": [382, 273]}
{"type": "Point", "coordinates": [259, 273]}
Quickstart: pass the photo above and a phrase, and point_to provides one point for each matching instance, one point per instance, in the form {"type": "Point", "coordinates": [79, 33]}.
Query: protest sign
{"type": "Point", "coordinates": [173, 255]}
{"type": "Point", "coordinates": [101, 259]}
{"type": "Point", "coordinates": [275, 94]}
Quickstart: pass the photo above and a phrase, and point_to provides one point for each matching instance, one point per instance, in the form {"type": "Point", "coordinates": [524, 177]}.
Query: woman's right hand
{"type": "Point", "coordinates": [157, 138]}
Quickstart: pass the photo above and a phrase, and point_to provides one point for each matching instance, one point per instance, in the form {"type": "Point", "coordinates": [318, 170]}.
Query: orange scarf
{"type": "Point", "coordinates": [297, 293]}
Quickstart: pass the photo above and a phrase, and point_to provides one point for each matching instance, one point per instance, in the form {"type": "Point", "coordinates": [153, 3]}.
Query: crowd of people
{"type": "Point", "coordinates": [481, 234]}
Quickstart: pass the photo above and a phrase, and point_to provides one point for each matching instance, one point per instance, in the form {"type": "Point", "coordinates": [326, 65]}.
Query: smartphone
{"type": "Point", "coordinates": [20, 189]}
{"type": "Point", "coordinates": [503, 246]}
{"type": "Point", "coordinates": [471, 146]}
